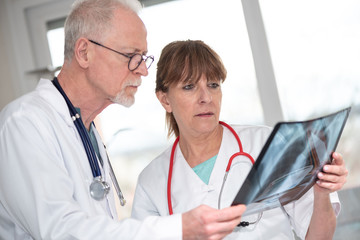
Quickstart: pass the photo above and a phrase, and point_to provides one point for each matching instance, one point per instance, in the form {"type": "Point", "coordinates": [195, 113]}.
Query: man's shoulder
{"type": "Point", "coordinates": [31, 107]}
{"type": "Point", "coordinates": [20, 106]}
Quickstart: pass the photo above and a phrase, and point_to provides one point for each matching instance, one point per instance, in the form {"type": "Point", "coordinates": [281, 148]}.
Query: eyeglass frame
{"type": "Point", "coordinates": [143, 57]}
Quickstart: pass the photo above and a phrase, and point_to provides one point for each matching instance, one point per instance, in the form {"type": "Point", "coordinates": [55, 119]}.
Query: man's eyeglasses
{"type": "Point", "coordinates": [134, 60]}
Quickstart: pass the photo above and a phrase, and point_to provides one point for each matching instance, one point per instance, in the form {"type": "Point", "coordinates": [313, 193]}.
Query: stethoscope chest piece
{"type": "Point", "coordinates": [99, 188]}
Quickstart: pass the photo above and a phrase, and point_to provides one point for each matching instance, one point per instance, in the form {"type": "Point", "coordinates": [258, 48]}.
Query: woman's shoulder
{"type": "Point", "coordinates": [252, 129]}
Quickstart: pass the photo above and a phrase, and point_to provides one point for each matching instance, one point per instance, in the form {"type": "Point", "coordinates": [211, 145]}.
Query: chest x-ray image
{"type": "Point", "coordinates": [290, 160]}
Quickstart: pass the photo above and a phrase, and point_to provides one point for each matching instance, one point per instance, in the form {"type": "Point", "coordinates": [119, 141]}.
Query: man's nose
{"type": "Point", "coordinates": [142, 69]}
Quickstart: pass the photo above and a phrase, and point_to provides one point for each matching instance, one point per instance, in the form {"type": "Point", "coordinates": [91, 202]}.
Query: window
{"type": "Point", "coordinates": [55, 35]}
{"type": "Point", "coordinates": [316, 57]}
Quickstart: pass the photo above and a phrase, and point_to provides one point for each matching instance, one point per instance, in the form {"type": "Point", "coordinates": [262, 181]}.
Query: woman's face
{"type": "Point", "coordinates": [195, 106]}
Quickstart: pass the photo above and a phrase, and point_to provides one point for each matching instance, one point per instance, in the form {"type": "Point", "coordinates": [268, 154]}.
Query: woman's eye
{"type": "Point", "coordinates": [188, 87]}
{"type": "Point", "coordinates": [214, 85]}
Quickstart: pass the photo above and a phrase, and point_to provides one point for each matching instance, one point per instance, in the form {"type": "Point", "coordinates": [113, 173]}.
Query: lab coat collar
{"type": "Point", "coordinates": [52, 96]}
{"type": "Point", "coordinates": [228, 145]}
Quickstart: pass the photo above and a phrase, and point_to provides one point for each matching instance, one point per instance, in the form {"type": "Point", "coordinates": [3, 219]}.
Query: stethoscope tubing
{"type": "Point", "coordinates": [172, 156]}
{"type": "Point", "coordinates": [95, 192]}
{"type": "Point", "coordinates": [241, 152]}
{"type": "Point", "coordinates": [89, 149]}
{"type": "Point", "coordinates": [170, 175]}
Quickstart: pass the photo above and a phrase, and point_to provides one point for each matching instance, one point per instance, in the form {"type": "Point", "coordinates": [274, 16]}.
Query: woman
{"type": "Point", "coordinates": [188, 86]}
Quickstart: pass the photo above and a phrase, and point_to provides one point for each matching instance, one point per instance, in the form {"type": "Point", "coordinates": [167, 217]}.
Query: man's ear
{"type": "Point", "coordinates": [163, 99]}
{"type": "Point", "coordinates": [81, 52]}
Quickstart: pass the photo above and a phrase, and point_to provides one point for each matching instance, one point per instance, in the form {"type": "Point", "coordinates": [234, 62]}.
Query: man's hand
{"type": "Point", "coordinates": [205, 222]}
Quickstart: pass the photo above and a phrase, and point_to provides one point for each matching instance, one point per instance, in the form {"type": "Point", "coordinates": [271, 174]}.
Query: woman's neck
{"type": "Point", "coordinates": [198, 149]}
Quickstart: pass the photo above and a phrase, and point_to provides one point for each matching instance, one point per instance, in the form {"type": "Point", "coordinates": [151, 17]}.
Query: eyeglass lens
{"type": "Point", "coordinates": [136, 60]}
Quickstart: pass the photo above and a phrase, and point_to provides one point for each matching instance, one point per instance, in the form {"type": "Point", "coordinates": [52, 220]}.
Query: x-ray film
{"type": "Point", "coordinates": [288, 164]}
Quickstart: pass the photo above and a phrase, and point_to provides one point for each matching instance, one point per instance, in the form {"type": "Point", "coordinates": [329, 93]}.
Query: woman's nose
{"type": "Point", "coordinates": [204, 95]}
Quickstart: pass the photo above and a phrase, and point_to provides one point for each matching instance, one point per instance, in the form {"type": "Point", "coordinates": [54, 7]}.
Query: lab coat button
{"type": "Point", "coordinates": [211, 188]}
{"type": "Point", "coordinates": [204, 188]}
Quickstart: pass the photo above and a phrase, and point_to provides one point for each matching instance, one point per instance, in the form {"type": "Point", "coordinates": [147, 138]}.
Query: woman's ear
{"type": "Point", "coordinates": [163, 99]}
{"type": "Point", "coordinates": [81, 52]}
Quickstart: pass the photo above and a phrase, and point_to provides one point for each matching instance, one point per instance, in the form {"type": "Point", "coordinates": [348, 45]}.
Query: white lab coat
{"type": "Point", "coordinates": [189, 191]}
{"type": "Point", "coordinates": [45, 177]}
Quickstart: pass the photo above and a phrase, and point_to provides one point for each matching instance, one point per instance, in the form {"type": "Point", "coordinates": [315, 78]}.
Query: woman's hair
{"type": "Point", "coordinates": [186, 61]}
{"type": "Point", "coordinates": [92, 19]}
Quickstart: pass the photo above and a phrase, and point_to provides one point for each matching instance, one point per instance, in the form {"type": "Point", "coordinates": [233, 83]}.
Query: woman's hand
{"type": "Point", "coordinates": [334, 175]}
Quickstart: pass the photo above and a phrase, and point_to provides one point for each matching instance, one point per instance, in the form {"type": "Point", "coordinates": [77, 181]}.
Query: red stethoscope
{"type": "Point", "coordinates": [240, 153]}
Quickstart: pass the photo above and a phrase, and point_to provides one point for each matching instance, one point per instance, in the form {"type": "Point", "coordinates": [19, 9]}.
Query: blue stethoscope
{"type": "Point", "coordinates": [240, 153]}
{"type": "Point", "coordinates": [99, 188]}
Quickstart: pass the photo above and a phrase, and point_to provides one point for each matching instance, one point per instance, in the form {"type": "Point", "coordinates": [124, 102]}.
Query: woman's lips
{"type": "Point", "coordinates": [207, 114]}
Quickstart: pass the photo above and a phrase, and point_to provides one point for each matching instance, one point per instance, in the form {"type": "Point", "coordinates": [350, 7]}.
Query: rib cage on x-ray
{"type": "Point", "coordinates": [289, 162]}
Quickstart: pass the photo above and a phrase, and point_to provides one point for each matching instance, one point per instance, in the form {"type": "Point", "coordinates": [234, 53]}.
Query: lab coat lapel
{"type": "Point", "coordinates": [187, 189]}
{"type": "Point", "coordinates": [218, 172]}
{"type": "Point", "coordinates": [105, 170]}
{"type": "Point", "coordinates": [52, 96]}
{"type": "Point", "coordinates": [238, 171]}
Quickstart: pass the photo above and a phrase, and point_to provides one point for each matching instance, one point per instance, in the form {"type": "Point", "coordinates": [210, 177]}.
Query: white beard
{"type": "Point", "coordinates": [123, 98]}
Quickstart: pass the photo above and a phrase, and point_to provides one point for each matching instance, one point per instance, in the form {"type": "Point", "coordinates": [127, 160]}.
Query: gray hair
{"type": "Point", "coordinates": [90, 19]}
